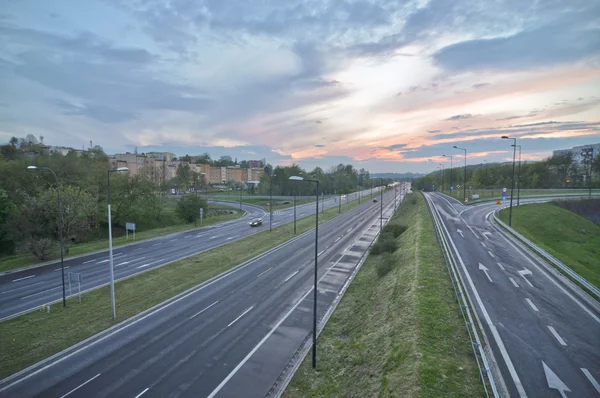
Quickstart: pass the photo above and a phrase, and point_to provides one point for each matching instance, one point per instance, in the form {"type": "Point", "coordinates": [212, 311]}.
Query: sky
{"type": "Point", "coordinates": [387, 85]}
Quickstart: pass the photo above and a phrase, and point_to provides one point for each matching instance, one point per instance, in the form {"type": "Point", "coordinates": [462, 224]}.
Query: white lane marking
{"type": "Point", "coordinates": [81, 385]}
{"type": "Point", "coordinates": [485, 271]}
{"type": "Point", "coordinates": [525, 272]}
{"type": "Point", "coordinates": [264, 272]}
{"type": "Point", "coordinates": [195, 315]}
{"type": "Point", "coordinates": [460, 232]}
{"type": "Point", "coordinates": [350, 229]}
{"type": "Point", "coordinates": [44, 291]}
{"type": "Point", "coordinates": [89, 261]}
{"type": "Point", "coordinates": [233, 237]}
{"type": "Point", "coordinates": [139, 248]}
{"type": "Point", "coordinates": [321, 252]}
{"type": "Point", "coordinates": [243, 313]}
{"type": "Point", "coordinates": [532, 305]}
{"type": "Point", "coordinates": [172, 240]}
{"type": "Point", "coordinates": [117, 254]}
{"type": "Point", "coordinates": [501, 266]}
{"type": "Point", "coordinates": [468, 226]}
{"type": "Point", "coordinates": [142, 393]}
{"type": "Point", "coordinates": [123, 263]}
{"type": "Point", "coordinates": [214, 237]}
{"type": "Point", "coordinates": [483, 244]}
{"type": "Point", "coordinates": [555, 333]}
{"type": "Point", "coordinates": [154, 262]}
{"type": "Point", "coordinates": [513, 282]}
{"type": "Point", "coordinates": [591, 379]}
{"type": "Point", "coordinates": [337, 239]}
{"type": "Point", "coordinates": [491, 254]}
{"type": "Point", "coordinates": [143, 266]}
{"type": "Point", "coordinates": [511, 368]}
{"type": "Point", "coordinates": [157, 244]}
{"type": "Point", "coordinates": [58, 269]}
{"type": "Point", "coordinates": [23, 278]}
{"type": "Point", "coordinates": [291, 276]}
{"type": "Point", "coordinates": [486, 234]}
{"type": "Point", "coordinates": [104, 261]}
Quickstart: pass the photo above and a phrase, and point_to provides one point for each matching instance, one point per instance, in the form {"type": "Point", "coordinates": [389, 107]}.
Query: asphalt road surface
{"type": "Point", "coordinates": [230, 337]}
{"type": "Point", "coordinates": [29, 289]}
{"type": "Point", "coordinates": [544, 336]}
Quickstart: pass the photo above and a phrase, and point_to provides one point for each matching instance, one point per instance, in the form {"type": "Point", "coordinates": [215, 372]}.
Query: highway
{"type": "Point", "coordinates": [544, 334]}
{"type": "Point", "coordinates": [26, 290]}
{"type": "Point", "coordinates": [230, 337]}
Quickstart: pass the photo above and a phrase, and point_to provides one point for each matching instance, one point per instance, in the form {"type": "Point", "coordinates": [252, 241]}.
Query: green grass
{"type": "Point", "coordinates": [277, 203]}
{"type": "Point", "coordinates": [24, 260]}
{"type": "Point", "coordinates": [397, 332]}
{"type": "Point", "coordinates": [32, 337]}
{"type": "Point", "coordinates": [525, 193]}
{"type": "Point", "coordinates": [571, 238]}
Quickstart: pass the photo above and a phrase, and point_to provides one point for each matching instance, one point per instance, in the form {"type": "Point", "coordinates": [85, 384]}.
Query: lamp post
{"type": "Point", "coordinates": [465, 177]}
{"type": "Point", "coordinates": [60, 228]}
{"type": "Point", "coordinates": [442, 166]}
{"type": "Point", "coordinates": [446, 156]}
{"type": "Point", "coordinates": [268, 172]}
{"type": "Point", "coordinates": [381, 207]}
{"type": "Point", "coordinates": [295, 212]}
{"type": "Point", "coordinates": [314, 336]}
{"type": "Point", "coordinates": [512, 189]}
{"type": "Point", "coordinates": [358, 186]}
{"type": "Point", "coordinates": [110, 250]}
{"type": "Point", "coordinates": [519, 177]}
{"type": "Point", "coordinates": [241, 191]}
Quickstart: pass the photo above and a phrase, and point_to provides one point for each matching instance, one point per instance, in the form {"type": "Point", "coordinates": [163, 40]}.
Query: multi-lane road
{"type": "Point", "coordinates": [28, 289]}
{"type": "Point", "coordinates": [232, 336]}
{"type": "Point", "coordinates": [544, 334]}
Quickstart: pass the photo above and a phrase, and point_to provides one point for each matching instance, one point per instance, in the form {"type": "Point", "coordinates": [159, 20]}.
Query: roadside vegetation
{"type": "Point", "coordinates": [397, 331]}
{"type": "Point", "coordinates": [571, 238]}
{"type": "Point", "coordinates": [32, 337]}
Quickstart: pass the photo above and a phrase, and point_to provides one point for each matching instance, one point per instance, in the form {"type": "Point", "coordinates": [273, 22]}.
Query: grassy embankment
{"type": "Point", "coordinates": [24, 260]}
{"type": "Point", "coordinates": [525, 193]}
{"type": "Point", "coordinates": [32, 337]}
{"type": "Point", "coordinates": [571, 238]}
{"type": "Point", "coordinates": [398, 331]}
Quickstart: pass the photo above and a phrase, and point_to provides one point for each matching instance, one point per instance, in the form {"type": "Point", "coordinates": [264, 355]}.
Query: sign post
{"type": "Point", "coordinates": [130, 226]}
{"type": "Point", "coordinates": [77, 277]}
{"type": "Point", "coordinates": [201, 215]}
{"type": "Point", "coordinates": [503, 194]}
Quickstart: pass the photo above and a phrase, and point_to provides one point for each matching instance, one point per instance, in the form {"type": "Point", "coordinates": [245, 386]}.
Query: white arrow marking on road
{"type": "Point", "coordinates": [460, 232]}
{"type": "Point", "coordinates": [525, 272]}
{"type": "Point", "coordinates": [554, 382]}
{"type": "Point", "coordinates": [591, 379]}
{"type": "Point", "coordinates": [485, 270]}
{"type": "Point", "coordinates": [486, 234]}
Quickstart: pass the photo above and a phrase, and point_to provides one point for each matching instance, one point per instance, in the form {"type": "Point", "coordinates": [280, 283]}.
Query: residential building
{"type": "Point", "coordinates": [253, 164]}
{"type": "Point", "coordinates": [161, 155]}
{"type": "Point", "coordinates": [577, 152]}
{"type": "Point", "coordinates": [255, 173]}
{"type": "Point", "coordinates": [63, 150]}
{"type": "Point", "coordinates": [237, 174]}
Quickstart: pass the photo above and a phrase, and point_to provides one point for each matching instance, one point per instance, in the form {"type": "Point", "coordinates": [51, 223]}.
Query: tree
{"type": "Point", "coordinates": [79, 210]}
{"type": "Point", "coordinates": [188, 207]}
{"type": "Point", "coordinates": [7, 208]}
{"type": "Point", "coordinates": [596, 164]}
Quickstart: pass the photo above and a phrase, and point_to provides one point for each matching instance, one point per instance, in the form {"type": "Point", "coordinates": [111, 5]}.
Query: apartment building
{"type": "Point", "coordinates": [161, 155]}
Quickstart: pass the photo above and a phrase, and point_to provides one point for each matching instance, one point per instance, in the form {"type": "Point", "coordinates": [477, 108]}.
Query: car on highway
{"type": "Point", "coordinates": [374, 200]}
{"type": "Point", "coordinates": [256, 222]}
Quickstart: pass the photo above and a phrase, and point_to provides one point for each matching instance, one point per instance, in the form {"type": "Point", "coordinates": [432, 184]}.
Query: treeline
{"type": "Point", "coordinates": [553, 172]}
{"type": "Point", "coordinates": [340, 179]}
{"type": "Point", "coordinates": [28, 199]}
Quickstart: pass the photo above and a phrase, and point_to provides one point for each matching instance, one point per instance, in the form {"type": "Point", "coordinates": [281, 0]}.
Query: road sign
{"type": "Point", "coordinates": [498, 202]}
{"type": "Point", "coordinates": [503, 189]}
{"type": "Point", "coordinates": [452, 187]}
{"type": "Point", "coordinates": [470, 186]}
{"type": "Point", "coordinates": [130, 226]}
{"type": "Point", "coordinates": [201, 215]}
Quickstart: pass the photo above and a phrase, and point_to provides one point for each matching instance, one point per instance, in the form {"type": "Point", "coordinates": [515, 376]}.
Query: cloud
{"type": "Point", "coordinates": [433, 131]}
{"type": "Point", "coordinates": [319, 146]}
{"type": "Point", "coordinates": [480, 85]}
{"type": "Point", "coordinates": [460, 117]}
{"type": "Point", "coordinates": [396, 147]}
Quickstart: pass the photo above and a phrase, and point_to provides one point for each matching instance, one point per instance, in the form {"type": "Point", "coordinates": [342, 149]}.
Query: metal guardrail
{"type": "Point", "coordinates": [465, 305]}
{"type": "Point", "coordinates": [557, 263]}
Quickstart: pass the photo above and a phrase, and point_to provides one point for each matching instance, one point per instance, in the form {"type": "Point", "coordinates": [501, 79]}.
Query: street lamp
{"type": "Point", "coordinates": [60, 228]}
{"type": "Point", "coordinates": [110, 250]}
{"type": "Point", "coordinates": [512, 190]}
{"type": "Point", "coordinates": [446, 156]}
{"type": "Point", "coordinates": [268, 173]}
{"type": "Point", "coordinates": [358, 186]}
{"type": "Point", "coordinates": [314, 347]}
{"type": "Point", "coordinates": [442, 166]}
{"type": "Point", "coordinates": [519, 178]}
{"type": "Point", "coordinates": [381, 206]}
{"type": "Point", "coordinates": [465, 177]}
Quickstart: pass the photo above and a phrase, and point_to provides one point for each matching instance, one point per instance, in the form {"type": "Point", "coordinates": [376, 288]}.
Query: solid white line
{"type": "Point", "coordinates": [142, 393]}
{"type": "Point", "coordinates": [339, 237]}
{"type": "Point", "coordinates": [264, 272]}
{"type": "Point", "coordinates": [123, 263]}
{"type": "Point", "coordinates": [145, 265]}
{"type": "Point", "coordinates": [513, 282]}
{"type": "Point", "coordinates": [195, 315]}
{"type": "Point", "coordinates": [156, 244]}
{"type": "Point", "coordinates": [483, 244]}
{"type": "Point", "coordinates": [25, 277]}
{"type": "Point", "coordinates": [81, 385]}
{"type": "Point", "coordinates": [532, 305]}
{"type": "Point", "coordinates": [58, 269]}
{"type": "Point", "coordinates": [291, 276]}
{"type": "Point", "coordinates": [89, 261]}
{"type": "Point", "coordinates": [104, 261]}
{"type": "Point", "coordinates": [501, 266]}
{"type": "Point", "coordinates": [591, 379]}
{"type": "Point", "coordinates": [243, 313]}
{"type": "Point", "coordinates": [491, 254]}
{"type": "Point", "coordinates": [117, 254]}
{"type": "Point", "coordinates": [322, 251]}
{"type": "Point", "coordinates": [560, 340]}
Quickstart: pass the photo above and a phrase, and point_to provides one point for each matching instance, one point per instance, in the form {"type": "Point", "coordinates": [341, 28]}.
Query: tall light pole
{"type": "Point", "coordinates": [588, 158]}
{"type": "Point", "coordinates": [268, 172]}
{"type": "Point", "coordinates": [446, 156]}
{"type": "Point", "coordinates": [241, 191]}
{"type": "Point", "coordinates": [60, 228]}
{"type": "Point", "coordinates": [442, 166]}
{"type": "Point", "coordinates": [486, 172]}
{"type": "Point", "coordinates": [358, 186]}
{"type": "Point", "coordinates": [381, 207]}
{"type": "Point", "coordinates": [519, 177]}
{"type": "Point", "coordinates": [465, 177]}
{"type": "Point", "coordinates": [314, 336]}
{"type": "Point", "coordinates": [295, 212]}
{"type": "Point", "coordinates": [110, 250]}
{"type": "Point", "coordinates": [512, 189]}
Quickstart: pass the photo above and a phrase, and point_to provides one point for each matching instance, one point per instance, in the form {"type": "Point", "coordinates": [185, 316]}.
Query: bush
{"type": "Point", "coordinates": [385, 263]}
{"type": "Point", "coordinates": [40, 247]}
{"type": "Point", "coordinates": [394, 230]}
{"type": "Point", "coordinates": [385, 244]}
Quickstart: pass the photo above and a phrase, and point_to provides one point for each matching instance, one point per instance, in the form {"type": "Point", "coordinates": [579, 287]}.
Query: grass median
{"type": "Point", "coordinates": [24, 260]}
{"type": "Point", "coordinates": [32, 337]}
{"type": "Point", "coordinates": [571, 238]}
{"type": "Point", "coordinates": [398, 330]}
